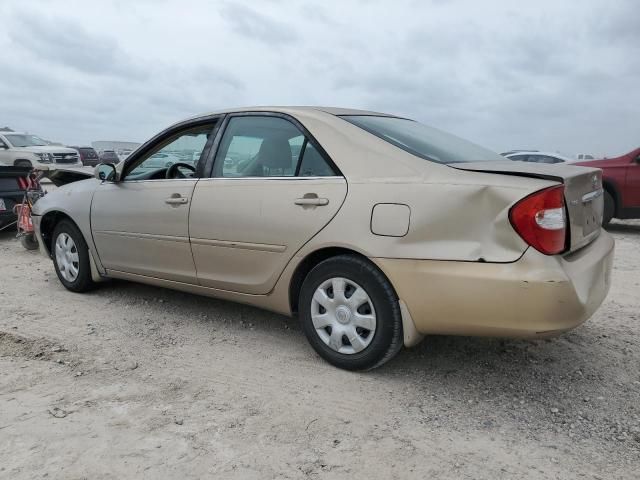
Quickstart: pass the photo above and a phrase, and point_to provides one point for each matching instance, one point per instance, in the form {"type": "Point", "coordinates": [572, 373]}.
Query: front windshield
{"type": "Point", "coordinates": [18, 140]}
{"type": "Point", "coordinates": [422, 141]}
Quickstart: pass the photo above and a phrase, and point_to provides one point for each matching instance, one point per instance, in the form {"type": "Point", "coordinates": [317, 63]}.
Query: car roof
{"type": "Point", "coordinates": [296, 109]}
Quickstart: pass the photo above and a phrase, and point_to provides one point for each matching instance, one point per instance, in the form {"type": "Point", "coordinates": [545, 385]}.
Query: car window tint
{"type": "Point", "coordinates": [313, 164]}
{"type": "Point", "coordinates": [259, 146]}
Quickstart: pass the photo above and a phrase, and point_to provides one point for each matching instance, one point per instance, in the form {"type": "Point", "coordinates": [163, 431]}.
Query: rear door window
{"type": "Point", "coordinates": [267, 146]}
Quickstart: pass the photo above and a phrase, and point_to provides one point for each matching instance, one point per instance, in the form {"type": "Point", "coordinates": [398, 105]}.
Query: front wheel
{"type": "Point", "coordinates": [350, 313]}
{"type": "Point", "coordinates": [71, 257]}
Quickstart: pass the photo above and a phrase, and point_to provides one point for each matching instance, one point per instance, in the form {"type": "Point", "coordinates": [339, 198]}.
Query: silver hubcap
{"type": "Point", "coordinates": [67, 257]}
{"type": "Point", "coordinates": [343, 315]}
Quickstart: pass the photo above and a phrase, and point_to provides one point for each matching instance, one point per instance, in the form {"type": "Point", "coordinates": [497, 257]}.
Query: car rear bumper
{"type": "Point", "coordinates": [537, 295]}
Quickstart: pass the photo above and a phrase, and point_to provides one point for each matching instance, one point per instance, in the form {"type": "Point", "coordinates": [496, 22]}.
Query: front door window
{"type": "Point", "coordinates": [185, 148]}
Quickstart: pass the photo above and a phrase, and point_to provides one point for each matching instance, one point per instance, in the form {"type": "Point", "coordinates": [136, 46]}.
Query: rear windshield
{"type": "Point", "coordinates": [422, 141]}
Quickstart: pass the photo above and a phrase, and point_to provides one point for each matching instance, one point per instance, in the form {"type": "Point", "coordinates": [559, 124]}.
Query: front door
{"type": "Point", "coordinates": [140, 224]}
{"type": "Point", "coordinates": [270, 192]}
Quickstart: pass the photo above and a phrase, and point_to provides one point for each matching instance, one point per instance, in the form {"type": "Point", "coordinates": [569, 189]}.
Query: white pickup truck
{"type": "Point", "coordinates": [26, 150]}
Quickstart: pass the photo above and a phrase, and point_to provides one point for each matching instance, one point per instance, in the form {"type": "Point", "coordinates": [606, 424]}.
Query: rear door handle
{"type": "Point", "coordinates": [312, 201]}
{"type": "Point", "coordinates": [176, 199]}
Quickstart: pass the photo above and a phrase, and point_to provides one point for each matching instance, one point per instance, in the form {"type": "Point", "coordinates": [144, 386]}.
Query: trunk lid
{"type": "Point", "coordinates": [583, 192]}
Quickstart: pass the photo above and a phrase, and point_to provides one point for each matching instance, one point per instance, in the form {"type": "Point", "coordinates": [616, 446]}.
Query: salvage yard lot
{"type": "Point", "coordinates": [132, 381]}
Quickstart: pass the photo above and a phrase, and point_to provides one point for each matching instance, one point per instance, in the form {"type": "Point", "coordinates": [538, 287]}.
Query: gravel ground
{"type": "Point", "coordinates": [131, 381]}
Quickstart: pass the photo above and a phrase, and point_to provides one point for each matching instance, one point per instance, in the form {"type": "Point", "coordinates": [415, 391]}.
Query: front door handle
{"type": "Point", "coordinates": [176, 199]}
{"type": "Point", "coordinates": [312, 201]}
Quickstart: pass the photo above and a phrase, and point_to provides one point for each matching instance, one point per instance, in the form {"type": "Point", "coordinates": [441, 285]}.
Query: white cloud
{"type": "Point", "coordinates": [552, 75]}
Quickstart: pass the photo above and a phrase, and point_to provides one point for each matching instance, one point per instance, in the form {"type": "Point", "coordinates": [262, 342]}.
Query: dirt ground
{"type": "Point", "coordinates": [131, 381]}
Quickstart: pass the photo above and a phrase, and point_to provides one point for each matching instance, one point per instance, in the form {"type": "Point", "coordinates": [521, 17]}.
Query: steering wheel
{"type": "Point", "coordinates": [173, 172]}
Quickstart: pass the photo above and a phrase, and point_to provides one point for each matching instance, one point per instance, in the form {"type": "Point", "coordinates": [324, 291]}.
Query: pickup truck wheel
{"type": "Point", "coordinates": [609, 208]}
{"type": "Point", "coordinates": [71, 257]}
{"type": "Point", "coordinates": [23, 163]}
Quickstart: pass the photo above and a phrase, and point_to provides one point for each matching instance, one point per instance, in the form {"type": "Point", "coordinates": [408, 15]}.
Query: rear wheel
{"type": "Point", "coordinates": [609, 208]}
{"type": "Point", "coordinates": [71, 257]}
{"type": "Point", "coordinates": [350, 313]}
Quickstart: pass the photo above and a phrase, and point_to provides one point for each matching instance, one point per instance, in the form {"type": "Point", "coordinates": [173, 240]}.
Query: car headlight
{"type": "Point", "coordinates": [45, 157]}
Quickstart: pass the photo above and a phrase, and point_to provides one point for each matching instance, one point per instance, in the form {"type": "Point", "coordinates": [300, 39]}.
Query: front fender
{"type": "Point", "coordinates": [72, 200]}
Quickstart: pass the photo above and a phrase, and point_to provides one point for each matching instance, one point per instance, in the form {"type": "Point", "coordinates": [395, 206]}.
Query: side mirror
{"type": "Point", "coordinates": [3, 147]}
{"type": "Point", "coordinates": [105, 172]}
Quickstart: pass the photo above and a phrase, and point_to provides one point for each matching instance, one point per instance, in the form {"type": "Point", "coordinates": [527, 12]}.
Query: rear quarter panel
{"type": "Point", "coordinates": [457, 219]}
{"type": "Point", "coordinates": [454, 214]}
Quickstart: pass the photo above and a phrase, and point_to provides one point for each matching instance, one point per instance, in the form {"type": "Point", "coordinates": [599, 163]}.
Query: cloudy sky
{"type": "Point", "coordinates": [557, 75]}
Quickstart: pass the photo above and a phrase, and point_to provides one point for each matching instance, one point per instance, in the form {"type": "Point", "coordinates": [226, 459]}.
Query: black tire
{"type": "Point", "coordinates": [23, 163]}
{"type": "Point", "coordinates": [30, 242]}
{"type": "Point", "coordinates": [83, 281]}
{"type": "Point", "coordinates": [609, 208]}
{"type": "Point", "coordinates": [388, 337]}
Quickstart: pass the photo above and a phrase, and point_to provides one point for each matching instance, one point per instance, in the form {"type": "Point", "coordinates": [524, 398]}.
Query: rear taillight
{"type": "Point", "coordinates": [541, 221]}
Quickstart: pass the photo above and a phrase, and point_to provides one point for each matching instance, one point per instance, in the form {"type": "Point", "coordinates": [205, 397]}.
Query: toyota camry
{"type": "Point", "coordinates": [373, 229]}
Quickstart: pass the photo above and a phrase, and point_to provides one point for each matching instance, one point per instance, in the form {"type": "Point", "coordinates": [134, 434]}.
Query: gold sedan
{"type": "Point", "coordinates": [374, 229]}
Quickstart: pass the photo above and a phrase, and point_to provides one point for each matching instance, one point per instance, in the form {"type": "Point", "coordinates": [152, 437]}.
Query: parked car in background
{"type": "Point", "coordinates": [158, 161]}
{"type": "Point", "coordinates": [621, 183]}
{"type": "Point", "coordinates": [378, 231]}
{"type": "Point", "coordinates": [123, 154]}
{"type": "Point", "coordinates": [536, 156]}
{"type": "Point", "coordinates": [26, 150]}
{"type": "Point", "coordinates": [509, 152]}
{"type": "Point", "coordinates": [88, 156]}
{"type": "Point", "coordinates": [585, 156]}
{"type": "Point", "coordinates": [109, 156]}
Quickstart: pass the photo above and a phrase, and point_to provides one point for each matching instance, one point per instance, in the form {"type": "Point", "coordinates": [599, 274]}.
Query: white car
{"type": "Point", "coordinates": [26, 150]}
{"type": "Point", "coordinates": [535, 156]}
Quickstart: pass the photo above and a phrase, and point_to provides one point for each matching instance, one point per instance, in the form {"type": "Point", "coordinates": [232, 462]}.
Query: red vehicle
{"type": "Point", "coordinates": [621, 182]}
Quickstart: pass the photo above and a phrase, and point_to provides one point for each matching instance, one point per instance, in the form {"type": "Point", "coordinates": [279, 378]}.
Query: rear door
{"type": "Point", "coordinates": [272, 188]}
